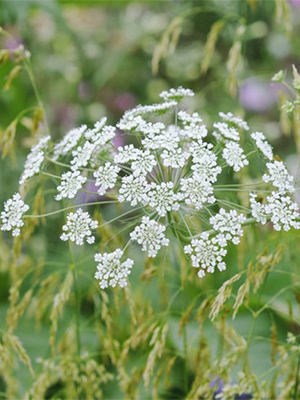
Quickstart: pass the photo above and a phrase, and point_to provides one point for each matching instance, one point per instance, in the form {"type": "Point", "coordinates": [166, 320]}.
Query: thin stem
{"type": "Point", "coordinates": [70, 208]}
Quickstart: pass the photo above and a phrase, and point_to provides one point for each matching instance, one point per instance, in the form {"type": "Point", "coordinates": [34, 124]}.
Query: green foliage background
{"type": "Point", "coordinates": [98, 58]}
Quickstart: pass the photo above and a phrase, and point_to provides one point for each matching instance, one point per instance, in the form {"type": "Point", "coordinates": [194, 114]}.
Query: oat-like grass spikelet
{"type": "Point", "coordinates": [223, 294]}
{"type": "Point", "coordinates": [59, 303]}
{"type": "Point", "coordinates": [158, 342]}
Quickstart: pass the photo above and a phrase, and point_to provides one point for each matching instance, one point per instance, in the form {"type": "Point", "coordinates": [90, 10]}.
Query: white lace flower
{"type": "Point", "coordinates": [150, 129]}
{"type": "Point", "coordinates": [130, 121]}
{"type": "Point", "coordinates": [150, 234]}
{"type": "Point", "coordinates": [234, 156]}
{"type": "Point", "coordinates": [162, 198]}
{"type": "Point", "coordinates": [82, 155]}
{"type": "Point", "coordinates": [91, 134]}
{"type": "Point", "coordinates": [283, 212]}
{"type": "Point", "coordinates": [144, 163]}
{"type": "Point", "coordinates": [71, 182]}
{"type": "Point", "coordinates": [11, 217]}
{"type": "Point", "coordinates": [134, 189]}
{"type": "Point", "coordinates": [175, 158]}
{"type": "Point", "coordinates": [280, 177]}
{"type": "Point", "coordinates": [126, 154]}
{"type": "Point", "coordinates": [104, 136]}
{"type": "Point", "coordinates": [229, 224]}
{"type": "Point", "coordinates": [236, 121]}
{"type": "Point", "coordinates": [192, 126]}
{"type": "Point", "coordinates": [207, 253]}
{"type": "Point", "coordinates": [167, 140]}
{"type": "Point", "coordinates": [262, 144]}
{"type": "Point", "coordinates": [106, 177]}
{"type": "Point", "coordinates": [224, 131]}
{"type": "Point", "coordinates": [111, 271]}
{"type": "Point", "coordinates": [78, 227]}
{"type": "Point", "coordinates": [197, 191]}
{"type": "Point", "coordinates": [258, 210]}
{"type": "Point", "coordinates": [69, 141]}
{"type": "Point", "coordinates": [176, 94]}
{"type": "Point", "coordinates": [205, 162]}
{"type": "Point", "coordinates": [34, 160]}
{"type": "Point", "coordinates": [160, 108]}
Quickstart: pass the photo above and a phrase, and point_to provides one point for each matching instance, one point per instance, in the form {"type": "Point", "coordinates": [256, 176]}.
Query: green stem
{"type": "Point", "coordinates": [69, 208]}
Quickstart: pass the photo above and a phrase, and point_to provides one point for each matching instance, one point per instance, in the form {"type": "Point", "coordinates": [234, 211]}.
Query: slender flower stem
{"type": "Point", "coordinates": [69, 208]}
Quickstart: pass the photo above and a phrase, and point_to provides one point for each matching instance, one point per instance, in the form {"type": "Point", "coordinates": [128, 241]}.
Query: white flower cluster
{"type": "Point", "coordinates": [150, 235]}
{"type": "Point", "coordinates": [173, 174]}
{"type": "Point", "coordinates": [34, 160]}
{"type": "Point", "coordinates": [279, 176]}
{"type": "Point", "coordinates": [262, 144]}
{"type": "Point", "coordinates": [68, 142]}
{"type": "Point", "coordinates": [207, 253]}
{"type": "Point", "coordinates": [12, 215]}
{"type": "Point", "coordinates": [79, 227]}
{"type": "Point", "coordinates": [234, 155]}
{"type": "Point", "coordinates": [280, 209]}
{"type": "Point", "coordinates": [111, 271]}
{"type": "Point", "coordinates": [229, 224]}
{"type": "Point", "coordinates": [176, 94]}
{"type": "Point", "coordinates": [106, 177]}
{"type": "Point", "coordinates": [237, 122]}
{"type": "Point", "coordinates": [71, 182]}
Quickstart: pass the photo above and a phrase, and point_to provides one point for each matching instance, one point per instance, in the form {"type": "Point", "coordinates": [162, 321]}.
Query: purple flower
{"type": "Point", "coordinates": [295, 3]}
{"type": "Point", "coordinates": [259, 96]}
{"type": "Point", "coordinates": [124, 101]}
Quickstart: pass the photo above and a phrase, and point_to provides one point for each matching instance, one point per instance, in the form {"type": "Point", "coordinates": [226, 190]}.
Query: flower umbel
{"type": "Point", "coordinates": [79, 228]}
{"type": "Point", "coordinates": [111, 271]}
{"type": "Point", "coordinates": [11, 217]}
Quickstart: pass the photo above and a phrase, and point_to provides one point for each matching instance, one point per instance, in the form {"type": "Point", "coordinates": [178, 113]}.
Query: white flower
{"type": "Point", "coordinates": [236, 121]}
{"type": "Point", "coordinates": [91, 134]}
{"type": "Point", "coordinates": [197, 191]}
{"type": "Point", "coordinates": [234, 156]}
{"type": "Point", "coordinates": [207, 253]}
{"type": "Point", "coordinates": [78, 227]}
{"type": "Point", "coordinates": [283, 212]}
{"type": "Point", "coordinates": [106, 177]}
{"type": "Point", "coordinates": [262, 144]}
{"type": "Point", "coordinates": [205, 162]}
{"type": "Point", "coordinates": [258, 210]}
{"type": "Point", "coordinates": [11, 217]}
{"type": "Point", "coordinates": [130, 121]}
{"type": "Point", "coordinates": [144, 163]}
{"type": "Point", "coordinates": [71, 182]}
{"type": "Point", "coordinates": [280, 177]}
{"type": "Point", "coordinates": [192, 126]}
{"type": "Point", "coordinates": [68, 142]}
{"type": "Point", "coordinates": [229, 224]}
{"type": "Point", "coordinates": [162, 198]}
{"type": "Point", "coordinates": [150, 129]}
{"type": "Point", "coordinates": [82, 155]}
{"type": "Point", "coordinates": [134, 189]}
{"type": "Point", "coordinates": [175, 158]}
{"type": "Point", "coordinates": [224, 131]}
{"type": "Point", "coordinates": [150, 235]}
{"type": "Point", "coordinates": [104, 136]}
{"type": "Point", "coordinates": [167, 140]}
{"type": "Point", "coordinates": [111, 271]}
{"type": "Point", "coordinates": [126, 154]}
{"type": "Point", "coordinates": [176, 94]}
{"type": "Point", "coordinates": [160, 108]}
{"type": "Point", "coordinates": [34, 160]}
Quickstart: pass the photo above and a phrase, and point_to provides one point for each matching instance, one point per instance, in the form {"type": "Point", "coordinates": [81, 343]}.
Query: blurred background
{"type": "Point", "coordinates": [92, 59]}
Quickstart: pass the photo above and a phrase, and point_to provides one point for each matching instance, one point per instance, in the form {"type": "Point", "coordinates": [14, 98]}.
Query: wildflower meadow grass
{"type": "Point", "coordinates": [153, 252]}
